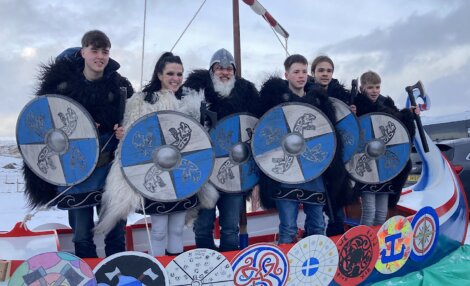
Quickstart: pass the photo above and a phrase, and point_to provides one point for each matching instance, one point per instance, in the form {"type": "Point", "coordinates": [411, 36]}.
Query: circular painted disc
{"type": "Point", "coordinates": [371, 165]}
{"type": "Point", "coordinates": [58, 139]}
{"type": "Point", "coordinates": [234, 171]}
{"type": "Point", "coordinates": [358, 250]}
{"type": "Point", "coordinates": [348, 128]}
{"type": "Point", "coordinates": [395, 238]}
{"type": "Point", "coordinates": [53, 268]}
{"type": "Point", "coordinates": [260, 264]}
{"type": "Point", "coordinates": [290, 120]}
{"type": "Point", "coordinates": [129, 267]}
{"type": "Point", "coordinates": [313, 261]}
{"type": "Point", "coordinates": [425, 225]}
{"type": "Point", "coordinates": [171, 131]}
{"type": "Point", "coordinates": [200, 266]}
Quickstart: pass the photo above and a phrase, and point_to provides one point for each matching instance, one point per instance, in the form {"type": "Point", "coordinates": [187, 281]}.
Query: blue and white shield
{"type": "Point", "coordinates": [293, 143]}
{"type": "Point", "coordinates": [166, 156]}
{"type": "Point", "coordinates": [235, 169]}
{"type": "Point", "coordinates": [58, 140]}
{"type": "Point", "coordinates": [348, 128]}
{"type": "Point", "coordinates": [384, 149]}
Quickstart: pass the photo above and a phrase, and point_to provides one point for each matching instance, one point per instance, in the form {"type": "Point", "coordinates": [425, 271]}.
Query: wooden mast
{"type": "Point", "coordinates": [236, 37]}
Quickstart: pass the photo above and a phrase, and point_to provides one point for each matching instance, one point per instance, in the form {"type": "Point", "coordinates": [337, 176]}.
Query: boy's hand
{"type": "Point", "coordinates": [415, 110]}
{"type": "Point", "coordinates": [353, 108]}
{"type": "Point", "coordinates": [119, 131]}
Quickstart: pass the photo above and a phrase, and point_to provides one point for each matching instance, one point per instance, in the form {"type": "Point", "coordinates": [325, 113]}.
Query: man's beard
{"type": "Point", "coordinates": [221, 87]}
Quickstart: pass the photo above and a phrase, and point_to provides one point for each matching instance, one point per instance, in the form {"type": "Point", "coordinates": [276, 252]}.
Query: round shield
{"type": "Point", "coordinates": [57, 139]}
{"type": "Point", "coordinates": [131, 268]}
{"type": "Point", "coordinates": [200, 266]}
{"type": "Point", "coordinates": [166, 156]}
{"type": "Point", "coordinates": [425, 226]}
{"type": "Point", "coordinates": [348, 128]}
{"type": "Point", "coordinates": [293, 143]}
{"type": "Point", "coordinates": [53, 268]}
{"type": "Point", "coordinates": [313, 261]}
{"type": "Point", "coordinates": [384, 149]}
{"type": "Point", "coordinates": [260, 264]}
{"type": "Point", "coordinates": [358, 250]}
{"type": "Point", "coordinates": [395, 237]}
{"type": "Point", "coordinates": [235, 169]}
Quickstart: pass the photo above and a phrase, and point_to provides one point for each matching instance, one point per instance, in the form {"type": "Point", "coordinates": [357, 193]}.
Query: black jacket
{"type": "Point", "coordinates": [275, 91]}
{"type": "Point", "coordinates": [101, 98]}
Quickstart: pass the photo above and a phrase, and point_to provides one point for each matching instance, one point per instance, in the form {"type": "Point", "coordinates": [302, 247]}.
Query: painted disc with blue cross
{"type": "Point", "coordinates": [260, 264]}
{"type": "Point", "coordinates": [425, 226]}
{"type": "Point", "coordinates": [131, 268]}
{"type": "Point", "coordinates": [293, 143]}
{"type": "Point", "coordinates": [347, 127]}
{"type": "Point", "coordinates": [53, 268]}
{"type": "Point", "coordinates": [384, 149]}
{"type": "Point", "coordinates": [235, 169]}
{"type": "Point", "coordinates": [58, 139]}
{"type": "Point", "coordinates": [166, 156]}
{"type": "Point", "coordinates": [313, 261]}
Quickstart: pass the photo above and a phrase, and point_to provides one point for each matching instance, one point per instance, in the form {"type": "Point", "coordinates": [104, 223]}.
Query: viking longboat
{"type": "Point", "coordinates": [429, 222]}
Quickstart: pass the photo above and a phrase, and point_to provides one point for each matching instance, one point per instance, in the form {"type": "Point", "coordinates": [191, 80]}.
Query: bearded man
{"type": "Point", "coordinates": [225, 94]}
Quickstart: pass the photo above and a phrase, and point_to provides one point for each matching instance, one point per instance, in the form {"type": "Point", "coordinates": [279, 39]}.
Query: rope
{"type": "Point", "coordinates": [143, 46]}
{"type": "Point", "coordinates": [280, 42]}
{"type": "Point", "coordinates": [146, 224]}
{"type": "Point", "coordinates": [29, 216]}
{"type": "Point", "coordinates": [197, 12]}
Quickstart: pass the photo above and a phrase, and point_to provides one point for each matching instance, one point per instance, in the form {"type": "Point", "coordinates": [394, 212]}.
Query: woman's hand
{"type": "Point", "coordinates": [119, 131]}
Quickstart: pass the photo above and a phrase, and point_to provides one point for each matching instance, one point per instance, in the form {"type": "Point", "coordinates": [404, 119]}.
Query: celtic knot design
{"type": "Point", "coordinates": [355, 257]}
{"type": "Point", "coordinates": [264, 271]}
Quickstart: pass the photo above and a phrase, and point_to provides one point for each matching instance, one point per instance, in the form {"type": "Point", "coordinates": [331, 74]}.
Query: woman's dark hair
{"type": "Point", "coordinates": [155, 84]}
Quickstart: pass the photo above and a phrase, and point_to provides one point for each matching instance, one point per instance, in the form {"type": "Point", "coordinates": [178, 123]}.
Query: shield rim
{"type": "Point", "coordinates": [87, 115]}
{"type": "Point", "coordinates": [401, 168]}
{"type": "Point", "coordinates": [156, 113]}
{"type": "Point", "coordinates": [212, 129]}
{"type": "Point", "coordinates": [309, 106]}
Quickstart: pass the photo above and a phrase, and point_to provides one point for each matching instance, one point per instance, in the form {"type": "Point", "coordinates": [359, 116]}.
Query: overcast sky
{"type": "Point", "coordinates": [404, 41]}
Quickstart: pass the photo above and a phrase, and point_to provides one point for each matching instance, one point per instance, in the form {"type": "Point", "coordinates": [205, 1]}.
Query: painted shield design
{"type": "Point", "coordinates": [131, 268]}
{"type": "Point", "coordinates": [235, 169]}
{"type": "Point", "coordinates": [53, 268]}
{"type": "Point", "coordinates": [57, 139]}
{"type": "Point", "coordinates": [260, 264]}
{"type": "Point", "coordinates": [293, 143]}
{"type": "Point", "coordinates": [384, 149]}
{"type": "Point", "coordinates": [358, 251]}
{"type": "Point", "coordinates": [313, 261]}
{"type": "Point", "coordinates": [166, 156]}
{"type": "Point", "coordinates": [347, 126]}
{"type": "Point", "coordinates": [200, 266]}
{"type": "Point", "coordinates": [425, 226]}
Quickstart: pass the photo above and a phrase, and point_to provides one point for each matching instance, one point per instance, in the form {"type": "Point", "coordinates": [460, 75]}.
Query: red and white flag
{"type": "Point", "coordinates": [260, 10]}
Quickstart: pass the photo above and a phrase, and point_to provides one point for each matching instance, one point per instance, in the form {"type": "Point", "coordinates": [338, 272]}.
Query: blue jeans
{"type": "Point", "coordinates": [288, 213]}
{"type": "Point", "coordinates": [229, 206]}
{"type": "Point", "coordinates": [82, 223]}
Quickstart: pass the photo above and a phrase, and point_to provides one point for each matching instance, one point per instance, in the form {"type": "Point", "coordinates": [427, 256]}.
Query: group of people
{"type": "Point", "coordinates": [89, 76]}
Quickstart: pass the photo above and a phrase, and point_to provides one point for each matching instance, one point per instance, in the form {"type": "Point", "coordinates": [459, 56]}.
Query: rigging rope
{"type": "Point", "coordinates": [280, 42]}
{"type": "Point", "coordinates": [143, 47]}
{"type": "Point", "coordinates": [197, 12]}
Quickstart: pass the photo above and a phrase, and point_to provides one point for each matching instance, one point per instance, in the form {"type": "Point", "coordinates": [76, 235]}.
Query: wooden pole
{"type": "Point", "coordinates": [236, 37]}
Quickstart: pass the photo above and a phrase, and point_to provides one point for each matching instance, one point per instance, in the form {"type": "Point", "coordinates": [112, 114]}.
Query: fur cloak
{"type": "Point", "coordinates": [243, 98]}
{"type": "Point", "coordinates": [101, 98]}
{"type": "Point", "coordinates": [386, 104]}
{"type": "Point", "coordinates": [335, 89]}
{"type": "Point", "coordinates": [275, 91]}
{"type": "Point", "coordinates": [120, 199]}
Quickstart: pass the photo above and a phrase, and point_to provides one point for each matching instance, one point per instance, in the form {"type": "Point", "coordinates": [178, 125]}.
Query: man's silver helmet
{"type": "Point", "coordinates": [224, 58]}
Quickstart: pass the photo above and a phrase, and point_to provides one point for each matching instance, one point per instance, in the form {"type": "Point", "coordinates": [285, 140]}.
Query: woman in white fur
{"type": "Point", "coordinates": [119, 199]}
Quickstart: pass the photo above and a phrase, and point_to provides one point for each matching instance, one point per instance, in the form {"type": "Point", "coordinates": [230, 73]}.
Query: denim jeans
{"type": "Point", "coordinates": [288, 213]}
{"type": "Point", "coordinates": [82, 223]}
{"type": "Point", "coordinates": [374, 208]}
{"type": "Point", "coordinates": [229, 206]}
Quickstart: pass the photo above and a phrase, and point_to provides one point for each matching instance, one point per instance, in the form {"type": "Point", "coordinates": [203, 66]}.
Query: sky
{"type": "Point", "coordinates": [404, 41]}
